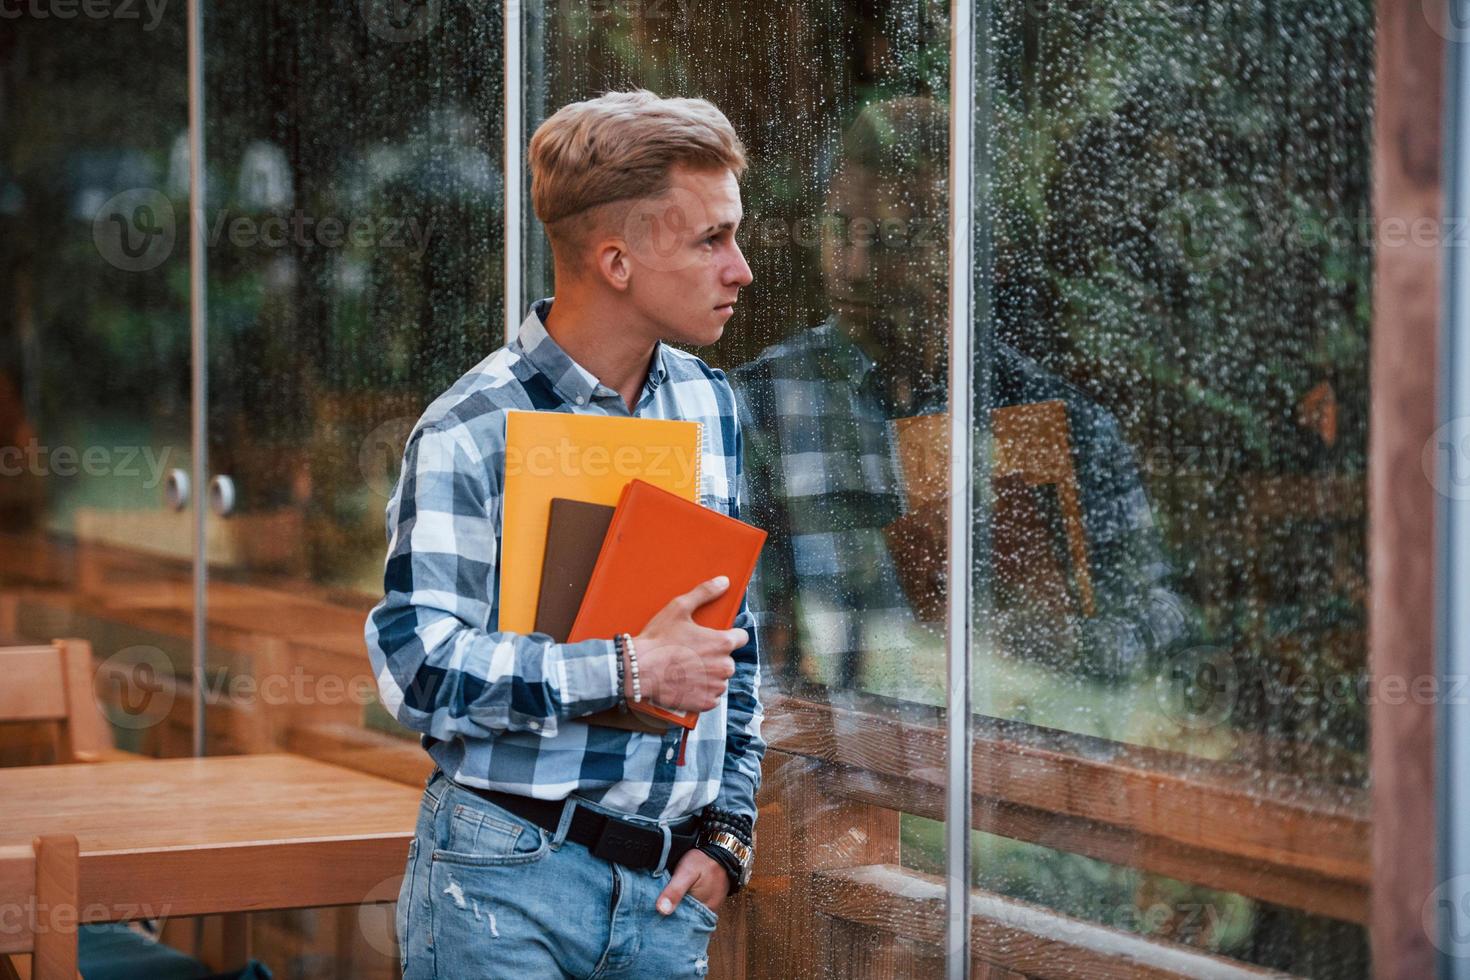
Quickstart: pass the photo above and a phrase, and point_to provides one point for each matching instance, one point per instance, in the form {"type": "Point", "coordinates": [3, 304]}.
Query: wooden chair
{"type": "Point", "coordinates": [53, 683]}
{"type": "Point", "coordinates": [48, 930]}
{"type": "Point", "coordinates": [1033, 445]}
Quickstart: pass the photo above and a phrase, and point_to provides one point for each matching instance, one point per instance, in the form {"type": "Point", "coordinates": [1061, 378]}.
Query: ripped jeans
{"type": "Point", "coordinates": [489, 894]}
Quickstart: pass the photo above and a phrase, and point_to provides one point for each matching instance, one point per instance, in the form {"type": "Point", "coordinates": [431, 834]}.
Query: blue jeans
{"type": "Point", "coordinates": [489, 894]}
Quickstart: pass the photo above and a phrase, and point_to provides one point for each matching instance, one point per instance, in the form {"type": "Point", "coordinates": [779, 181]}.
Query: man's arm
{"type": "Point", "coordinates": [440, 669]}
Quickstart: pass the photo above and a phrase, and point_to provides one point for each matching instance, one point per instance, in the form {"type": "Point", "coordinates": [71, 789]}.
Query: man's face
{"type": "Point", "coordinates": [884, 264]}
{"type": "Point", "coordinates": [687, 268]}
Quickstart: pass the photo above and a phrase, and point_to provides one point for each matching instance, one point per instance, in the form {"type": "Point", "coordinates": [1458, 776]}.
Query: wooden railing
{"type": "Point", "coordinates": [830, 896]}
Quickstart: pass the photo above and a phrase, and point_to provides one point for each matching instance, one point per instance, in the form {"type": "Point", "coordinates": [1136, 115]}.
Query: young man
{"type": "Point", "coordinates": [547, 846]}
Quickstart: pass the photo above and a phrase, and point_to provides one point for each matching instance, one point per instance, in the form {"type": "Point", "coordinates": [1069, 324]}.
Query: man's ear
{"type": "Point", "coordinates": [614, 263]}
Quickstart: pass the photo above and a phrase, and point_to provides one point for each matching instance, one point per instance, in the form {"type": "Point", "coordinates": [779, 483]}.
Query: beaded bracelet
{"type": "Point", "coordinates": [633, 666]}
{"type": "Point", "coordinates": [618, 651]}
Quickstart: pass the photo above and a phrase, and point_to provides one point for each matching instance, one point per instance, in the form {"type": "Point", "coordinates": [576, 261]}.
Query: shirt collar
{"type": "Point", "coordinates": [571, 380]}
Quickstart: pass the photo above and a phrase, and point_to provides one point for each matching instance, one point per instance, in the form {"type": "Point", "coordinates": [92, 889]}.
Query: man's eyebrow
{"type": "Point", "coordinates": [722, 226]}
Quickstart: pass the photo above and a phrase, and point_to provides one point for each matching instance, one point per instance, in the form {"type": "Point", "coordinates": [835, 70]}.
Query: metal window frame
{"type": "Point", "coordinates": [199, 368]}
{"type": "Point", "coordinates": [962, 457]}
{"type": "Point", "coordinates": [1452, 545]}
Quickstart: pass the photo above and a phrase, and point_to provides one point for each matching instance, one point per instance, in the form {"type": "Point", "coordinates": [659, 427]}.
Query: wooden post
{"type": "Point", "coordinates": [1407, 154]}
{"type": "Point", "coordinates": [802, 830]}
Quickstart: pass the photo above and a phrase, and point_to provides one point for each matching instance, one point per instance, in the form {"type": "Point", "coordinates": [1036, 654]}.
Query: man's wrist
{"type": "Point", "coordinates": [728, 837]}
{"type": "Point", "coordinates": [727, 863]}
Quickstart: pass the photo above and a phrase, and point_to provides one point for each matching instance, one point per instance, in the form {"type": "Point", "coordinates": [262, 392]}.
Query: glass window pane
{"type": "Point", "coordinates": [354, 241]}
{"type": "Point", "coordinates": [1172, 563]}
{"type": "Point", "coordinates": [94, 353]}
{"type": "Point", "coordinates": [838, 358]}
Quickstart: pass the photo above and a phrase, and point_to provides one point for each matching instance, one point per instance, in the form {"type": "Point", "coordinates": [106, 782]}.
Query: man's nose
{"type": "Point", "coordinates": [738, 273]}
{"type": "Point", "coordinates": [857, 262]}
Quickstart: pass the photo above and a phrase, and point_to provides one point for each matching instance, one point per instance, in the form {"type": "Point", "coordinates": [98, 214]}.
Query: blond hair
{"type": "Point", "coordinates": [620, 147]}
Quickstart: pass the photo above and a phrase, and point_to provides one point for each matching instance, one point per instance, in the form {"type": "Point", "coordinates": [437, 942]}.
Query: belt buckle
{"type": "Point", "coordinates": [626, 844]}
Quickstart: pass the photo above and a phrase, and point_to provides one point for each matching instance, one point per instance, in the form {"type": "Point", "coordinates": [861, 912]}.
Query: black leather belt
{"type": "Point", "coordinates": [619, 841]}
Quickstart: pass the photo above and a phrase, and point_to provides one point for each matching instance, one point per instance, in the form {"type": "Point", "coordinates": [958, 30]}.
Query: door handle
{"type": "Point", "coordinates": [176, 489]}
{"type": "Point", "coordinates": [222, 496]}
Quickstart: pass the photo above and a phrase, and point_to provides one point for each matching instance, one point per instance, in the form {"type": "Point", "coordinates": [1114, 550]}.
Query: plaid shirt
{"type": "Point", "coordinates": [824, 481]}
{"type": "Point", "coordinates": [499, 710]}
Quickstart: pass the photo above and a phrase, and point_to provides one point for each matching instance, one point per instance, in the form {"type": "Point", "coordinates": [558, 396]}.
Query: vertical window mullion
{"type": "Point", "coordinates": [961, 412]}
{"type": "Point", "coordinates": [514, 181]}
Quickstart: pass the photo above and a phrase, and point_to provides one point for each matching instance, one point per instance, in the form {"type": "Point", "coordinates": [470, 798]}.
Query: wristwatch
{"type": "Point", "coordinates": [734, 855]}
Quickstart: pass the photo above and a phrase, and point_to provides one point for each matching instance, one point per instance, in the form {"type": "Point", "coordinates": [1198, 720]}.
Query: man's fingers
{"type": "Point", "coordinates": [705, 591]}
{"type": "Point", "coordinates": [737, 638]}
{"type": "Point", "coordinates": [684, 876]}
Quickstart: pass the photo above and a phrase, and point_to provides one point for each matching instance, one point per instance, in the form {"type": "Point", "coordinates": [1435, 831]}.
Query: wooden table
{"type": "Point", "coordinates": [179, 837]}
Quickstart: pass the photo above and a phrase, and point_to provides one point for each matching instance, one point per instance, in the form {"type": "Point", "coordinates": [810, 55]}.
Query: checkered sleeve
{"type": "Point", "coordinates": [774, 585]}
{"type": "Point", "coordinates": [440, 667]}
{"type": "Point", "coordinates": [744, 747]}
{"type": "Point", "coordinates": [1139, 614]}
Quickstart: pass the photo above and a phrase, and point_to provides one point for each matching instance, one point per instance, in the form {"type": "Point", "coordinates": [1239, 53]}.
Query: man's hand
{"type": "Point", "coordinates": [701, 876]}
{"type": "Point", "coordinates": [682, 665]}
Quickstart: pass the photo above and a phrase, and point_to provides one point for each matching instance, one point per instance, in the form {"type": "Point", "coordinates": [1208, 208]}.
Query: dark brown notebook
{"type": "Point", "coordinates": [574, 534]}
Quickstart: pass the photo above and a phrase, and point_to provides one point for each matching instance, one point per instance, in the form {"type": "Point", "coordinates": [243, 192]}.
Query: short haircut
{"type": "Point", "coordinates": [620, 147]}
{"type": "Point", "coordinates": [899, 139]}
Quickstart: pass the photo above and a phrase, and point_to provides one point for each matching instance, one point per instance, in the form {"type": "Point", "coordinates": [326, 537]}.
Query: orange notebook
{"type": "Point", "coordinates": [658, 547]}
{"type": "Point", "coordinates": [580, 457]}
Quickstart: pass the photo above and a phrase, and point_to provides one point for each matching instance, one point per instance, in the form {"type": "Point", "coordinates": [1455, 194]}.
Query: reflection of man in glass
{"type": "Point", "coordinates": [849, 572]}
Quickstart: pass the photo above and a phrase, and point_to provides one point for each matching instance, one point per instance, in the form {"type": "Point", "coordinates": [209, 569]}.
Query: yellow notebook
{"type": "Point", "coordinates": [579, 457]}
